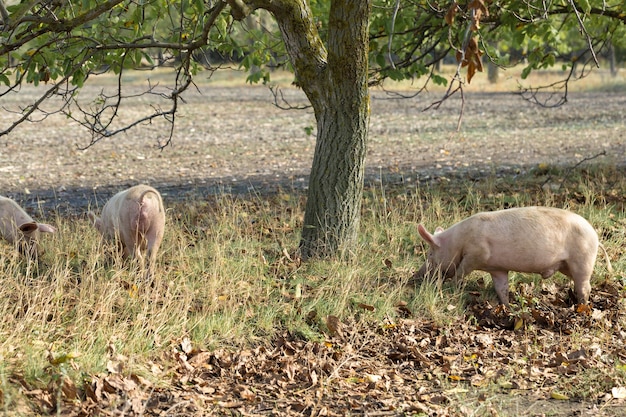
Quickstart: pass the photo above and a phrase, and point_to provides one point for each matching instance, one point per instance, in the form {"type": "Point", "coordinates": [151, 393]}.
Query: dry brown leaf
{"type": "Point", "coordinates": [366, 307]}
{"type": "Point", "coordinates": [480, 10]}
{"type": "Point", "coordinates": [332, 323]}
{"type": "Point", "coordinates": [451, 13]}
{"type": "Point", "coordinates": [115, 366]}
{"type": "Point", "coordinates": [584, 309]}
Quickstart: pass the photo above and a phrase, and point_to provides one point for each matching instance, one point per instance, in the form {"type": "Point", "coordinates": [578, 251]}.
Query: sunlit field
{"type": "Point", "coordinates": [232, 322]}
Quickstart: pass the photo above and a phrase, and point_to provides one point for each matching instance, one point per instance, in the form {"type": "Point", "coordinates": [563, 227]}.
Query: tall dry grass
{"type": "Point", "coordinates": [228, 274]}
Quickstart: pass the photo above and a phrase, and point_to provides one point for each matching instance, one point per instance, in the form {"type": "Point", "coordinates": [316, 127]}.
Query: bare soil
{"type": "Point", "coordinates": [234, 139]}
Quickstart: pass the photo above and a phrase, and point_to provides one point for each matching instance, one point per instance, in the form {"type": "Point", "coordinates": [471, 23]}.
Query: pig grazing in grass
{"type": "Point", "coordinates": [19, 228]}
{"type": "Point", "coordinates": [135, 218]}
{"type": "Point", "coordinates": [538, 240]}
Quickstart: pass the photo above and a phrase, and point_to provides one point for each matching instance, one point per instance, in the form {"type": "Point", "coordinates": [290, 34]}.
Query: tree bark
{"type": "Point", "coordinates": [333, 208]}
{"type": "Point", "coordinates": [335, 82]}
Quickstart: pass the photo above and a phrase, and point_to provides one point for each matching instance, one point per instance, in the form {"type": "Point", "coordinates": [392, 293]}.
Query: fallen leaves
{"type": "Point", "coordinates": [405, 366]}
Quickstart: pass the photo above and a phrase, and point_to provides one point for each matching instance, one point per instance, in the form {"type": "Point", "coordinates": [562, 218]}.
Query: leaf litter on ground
{"type": "Point", "coordinates": [407, 366]}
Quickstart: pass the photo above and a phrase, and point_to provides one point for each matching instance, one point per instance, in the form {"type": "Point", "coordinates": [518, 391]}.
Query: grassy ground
{"type": "Point", "coordinates": [234, 324]}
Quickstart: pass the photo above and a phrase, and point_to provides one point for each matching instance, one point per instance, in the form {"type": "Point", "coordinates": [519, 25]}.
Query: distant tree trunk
{"type": "Point", "coordinates": [493, 72]}
{"type": "Point", "coordinates": [612, 63]}
{"type": "Point", "coordinates": [335, 81]}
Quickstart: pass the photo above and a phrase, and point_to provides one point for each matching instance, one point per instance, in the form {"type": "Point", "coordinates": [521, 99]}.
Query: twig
{"type": "Point", "coordinates": [457, 76]}
{"type": "Point", "coordinates": [584, 31]}
{"type": "Point", "coordinates": [570, 169]}
{"type": "Point", "coordinates": [393, 25]}
{"type": "Point", "coordinates": [276, 91]}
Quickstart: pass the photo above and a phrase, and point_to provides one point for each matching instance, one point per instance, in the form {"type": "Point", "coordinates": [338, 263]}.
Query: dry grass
{"type": "Point", "coordinates": [228, 276]}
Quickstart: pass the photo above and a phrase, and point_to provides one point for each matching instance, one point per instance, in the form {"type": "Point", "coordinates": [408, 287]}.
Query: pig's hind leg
{"type": "Point", "coordinates": [501, 284]}
{"type": "Point", "coordinates": [580, 272]}
{"type": "Point", "coordinates": [582, 286]}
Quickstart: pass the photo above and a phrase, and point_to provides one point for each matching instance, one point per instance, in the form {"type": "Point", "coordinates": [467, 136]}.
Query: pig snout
{"type": "Point", "coordinates": [430, 270]}
{"type": "Point", "coordinates": [421, 273]}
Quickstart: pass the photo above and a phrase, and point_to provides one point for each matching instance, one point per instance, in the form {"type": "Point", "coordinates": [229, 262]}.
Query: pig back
{"type": "Point", "coordinates": [531, 239]}
{"type": "Point", "coordinates": [151, 212]}
{"type": "Point", "coordinates": [132, 210]}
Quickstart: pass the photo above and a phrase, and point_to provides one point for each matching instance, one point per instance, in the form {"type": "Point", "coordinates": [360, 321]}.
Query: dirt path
{"type": "Point", "coordinates": [234, 139]}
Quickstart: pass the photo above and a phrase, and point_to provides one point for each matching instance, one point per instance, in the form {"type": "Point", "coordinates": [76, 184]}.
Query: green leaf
{"type": "Point", "coordinates": [439, 80]}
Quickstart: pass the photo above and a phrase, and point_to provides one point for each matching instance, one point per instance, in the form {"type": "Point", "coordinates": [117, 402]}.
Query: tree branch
{"type": "Point", "coordinates": [583, 29]}
{"type": "Point", "coordinates": [565, 176]}
{"type": "Point", "coordinates": [302, 41]}
{"type": "Point", "coordinates": [4, 14]}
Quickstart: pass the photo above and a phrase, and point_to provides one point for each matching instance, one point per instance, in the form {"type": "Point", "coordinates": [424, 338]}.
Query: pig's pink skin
{"type": "Point", "coordinates": [538, 240]}
{"type": "Point", "coordinates": [137, 218]}
{"type": "Point", "coordinates": [17, 227]}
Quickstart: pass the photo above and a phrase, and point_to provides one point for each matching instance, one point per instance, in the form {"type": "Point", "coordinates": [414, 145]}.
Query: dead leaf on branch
{"type": "Point", "coordinates": [452, 10]}
{"type": "Point", "coordinates": [471, 58]}
{"type": "Point", "coordinates": [479, 10]}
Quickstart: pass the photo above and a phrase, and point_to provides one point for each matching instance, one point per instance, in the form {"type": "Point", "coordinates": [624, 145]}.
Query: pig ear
{"type": "Point", "coordinates": [95, 220]}
{"type": "Point", "coordinates": [92, 217]}
{"type": "Point", "coordinates": [46, 228]}
{"type": "Point", "coordinates": [438, 230]}
{"type": "Point", "coordinates": [28, 228]}
{"type": "Point", "coordinates": [430, 239]}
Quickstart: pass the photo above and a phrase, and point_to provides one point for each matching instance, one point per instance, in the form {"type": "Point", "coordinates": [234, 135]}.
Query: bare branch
{"type": "Point", "coordinates": [393, 24]}
{"type": "Point", "coordinates": [584, 31]}
{"type": "Point", "coordinates": [565, 175]}
{"type": "Point", "coordinates": [457, 76]}
{"type": "Point", "coordinates": [28, 112]}
{"type": "Point", "coordinates": [100, 119]}
{"type": "Point", "coordinates": [276, 91]}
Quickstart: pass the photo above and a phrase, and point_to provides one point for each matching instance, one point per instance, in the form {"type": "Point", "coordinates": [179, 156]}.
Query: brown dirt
{"type": "Point", "coordinates": [235, 139]}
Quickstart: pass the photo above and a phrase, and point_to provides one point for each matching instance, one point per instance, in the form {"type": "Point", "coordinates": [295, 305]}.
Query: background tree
{"type": "Point", "coordinates": [335, 48]}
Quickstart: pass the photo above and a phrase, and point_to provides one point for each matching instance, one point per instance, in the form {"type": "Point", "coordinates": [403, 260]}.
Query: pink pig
{"type": "Point", "coordinates": [137, 218]}
{"type": "Point", "coordinates": [538, 240]}
{"type": "Point", "coordinates": [19, 228]}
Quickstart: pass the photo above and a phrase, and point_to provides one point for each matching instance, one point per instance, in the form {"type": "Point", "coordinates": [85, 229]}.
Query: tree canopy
{"type": "Point", "coordinates": [336, 49]}
{"type": "Point", "coordinates": [62, 43]}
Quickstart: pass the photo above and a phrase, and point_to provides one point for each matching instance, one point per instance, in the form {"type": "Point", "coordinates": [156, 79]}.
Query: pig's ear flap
{"type": "Point", "coordinates": [28, 228]}
{"type": "Point", "coordinates": [95, 220]}
{"type": "Point", "coordinates": [46, 228]}
{"type": "Point", "coordinates": [92, 217]}
{"type": "Point", "coordinates": [430, 239]}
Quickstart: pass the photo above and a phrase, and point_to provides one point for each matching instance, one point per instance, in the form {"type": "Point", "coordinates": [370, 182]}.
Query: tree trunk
{"type": "Point", "coordinates": [335, 81]}
{"type": "Point", "coordinates": [493, 72]}
{"type": "Point", "coordinates": [333, 208]}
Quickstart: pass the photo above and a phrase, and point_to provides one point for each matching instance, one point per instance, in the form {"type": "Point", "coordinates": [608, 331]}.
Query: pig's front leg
{"type": "Point", "coordinates": [501, 284]}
